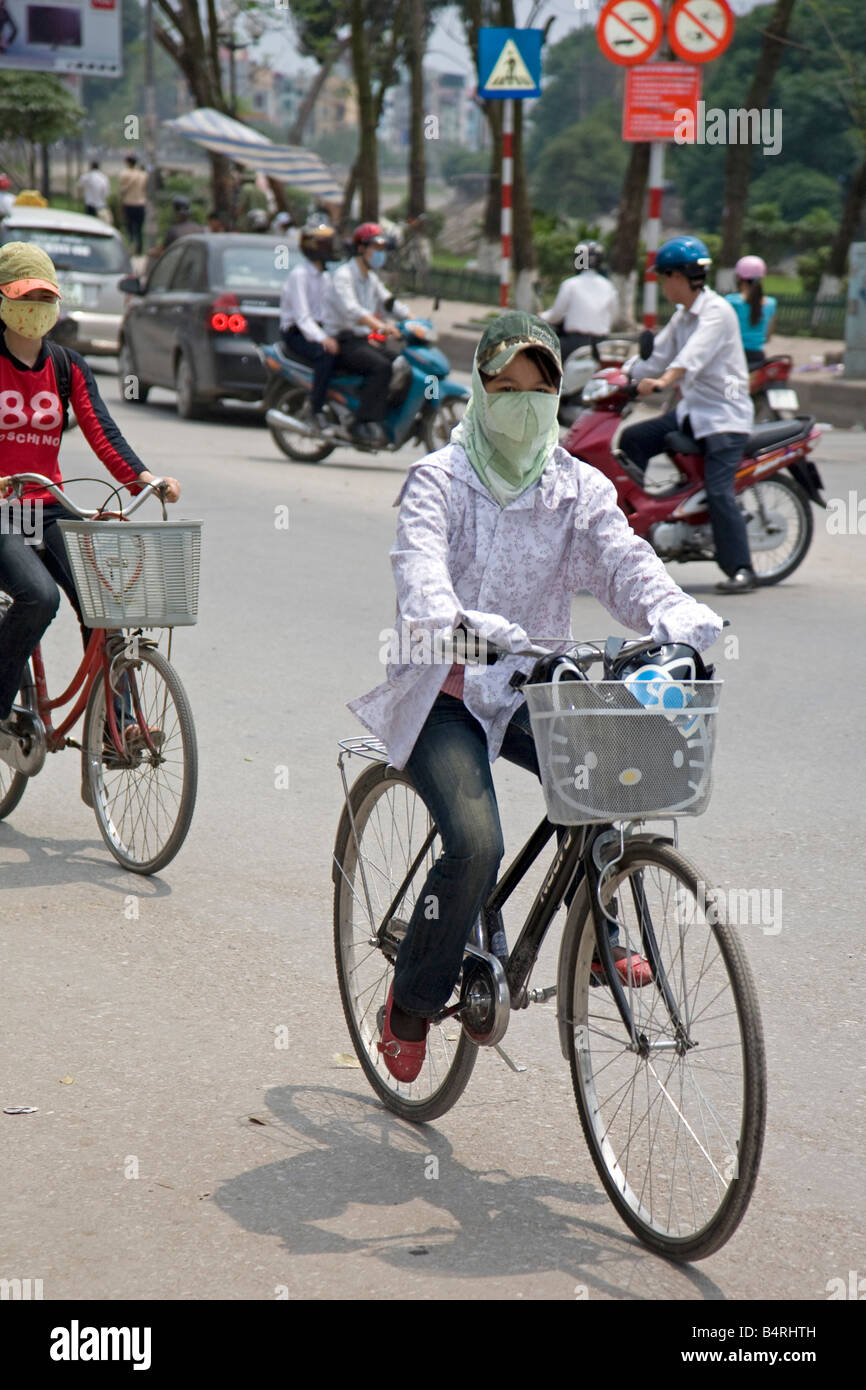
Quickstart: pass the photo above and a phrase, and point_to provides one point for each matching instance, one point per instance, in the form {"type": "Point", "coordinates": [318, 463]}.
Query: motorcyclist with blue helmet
{"type": "Point", "coordinates": [701, 349]}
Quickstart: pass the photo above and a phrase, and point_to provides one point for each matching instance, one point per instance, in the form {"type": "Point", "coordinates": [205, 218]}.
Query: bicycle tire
{"type": "Point", "coordinates": [728, 1166]}
{"type": "Point", "coordinates": [13, 784]}
{"type": "Point", "coordinates": [449, 1062]}
{"type": "Point", "coordinates": [127, 845]}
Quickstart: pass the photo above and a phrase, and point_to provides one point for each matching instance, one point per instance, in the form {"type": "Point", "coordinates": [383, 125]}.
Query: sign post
{"type": "Point", "coordinates": [509, 67]}
{"type": "Point", "coordinates": [629, 32]}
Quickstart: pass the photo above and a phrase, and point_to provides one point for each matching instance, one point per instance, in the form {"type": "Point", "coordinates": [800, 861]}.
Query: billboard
{"type": "Point", "coordinates": [73, 36]}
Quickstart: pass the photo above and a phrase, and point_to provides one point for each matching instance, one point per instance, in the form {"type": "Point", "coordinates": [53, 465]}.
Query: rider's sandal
{"type": "Point", "coordinates": [633, 969]}
{"type": "Point", "coordinates": [403, 1059]}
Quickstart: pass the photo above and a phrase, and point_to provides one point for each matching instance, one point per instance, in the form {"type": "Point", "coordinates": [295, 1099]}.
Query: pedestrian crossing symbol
{"type": "Point", "coordinates": [509, 62]}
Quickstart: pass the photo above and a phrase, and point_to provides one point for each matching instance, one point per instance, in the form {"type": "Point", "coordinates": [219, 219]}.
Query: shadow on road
{"type": "Point", "coordinates": [348, 1152]}
{"type": "Point", "coordinates": [52, 863]}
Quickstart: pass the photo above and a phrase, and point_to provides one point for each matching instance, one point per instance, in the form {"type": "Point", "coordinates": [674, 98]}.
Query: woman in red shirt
{"type": "Point", "coordinates": [31, 425]}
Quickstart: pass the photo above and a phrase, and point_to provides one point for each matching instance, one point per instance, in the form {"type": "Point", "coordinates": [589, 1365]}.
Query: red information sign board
{"type": "Point", "coordinates": [654, 94]}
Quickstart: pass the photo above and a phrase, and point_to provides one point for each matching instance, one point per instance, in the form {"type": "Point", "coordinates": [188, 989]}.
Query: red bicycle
{"type": "Point", "coordinates": [138, 746]}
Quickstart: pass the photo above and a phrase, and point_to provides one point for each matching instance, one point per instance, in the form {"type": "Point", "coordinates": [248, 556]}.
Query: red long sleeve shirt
{"type": "Point", "coordinates": [31, 421]}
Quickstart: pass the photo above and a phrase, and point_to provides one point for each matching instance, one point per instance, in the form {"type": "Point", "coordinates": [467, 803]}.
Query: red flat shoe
{"type": "Point", "coordinates": [636, 966]}
{"type": "Point", "coordinates": [403, 1059]}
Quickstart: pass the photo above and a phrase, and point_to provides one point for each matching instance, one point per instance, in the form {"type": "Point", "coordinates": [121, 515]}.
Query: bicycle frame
{"type": "Point", "coordinates": [99, 655]}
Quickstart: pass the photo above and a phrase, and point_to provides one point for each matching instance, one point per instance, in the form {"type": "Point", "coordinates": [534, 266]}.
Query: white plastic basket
{"type": "Point", "coordinates": [135, 574]}
{"type": "Point", "coordinates": [606, 756]}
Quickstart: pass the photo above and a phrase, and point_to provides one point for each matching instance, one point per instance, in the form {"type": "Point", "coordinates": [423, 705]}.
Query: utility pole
{"type": "Point", "coordinates": [150, 132]}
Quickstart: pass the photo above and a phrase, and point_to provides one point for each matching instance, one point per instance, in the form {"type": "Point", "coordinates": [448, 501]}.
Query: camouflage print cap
{"type": "Point", "coordinates": [511, 333]}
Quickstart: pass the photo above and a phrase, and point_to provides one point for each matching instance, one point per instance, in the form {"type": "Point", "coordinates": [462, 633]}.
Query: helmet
{"type": "Point", "coordinates": [367, 232]}
{"type": "Point", "coordinates": [180, 202]}
{"type": "Point", "coordinates": [750, 268]}
{"type": "Point", "coordinates": [588, 255]}
{"type": "Point", "coordinates": [687, 254]}
{"type": "Point", "coordinates": [317, 241]}
{"type": "Point", "coordinates": [5, 181]}
{"type": "Point", "coordinates": [257, 220]}
{"type": "Point", "coordinates": [283, 221]}
{"type": "Point", "coordinates": [669, 661]}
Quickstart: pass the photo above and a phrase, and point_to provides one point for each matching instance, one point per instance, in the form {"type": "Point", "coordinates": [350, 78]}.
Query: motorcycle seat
{"type": "Point", "coordinates": [762, 437]}
{"type": "Point", "coordinates": [776, 432]}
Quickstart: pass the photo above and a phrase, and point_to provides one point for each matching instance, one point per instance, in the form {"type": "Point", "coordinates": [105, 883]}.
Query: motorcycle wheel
{"type": "Point", "coordinates": [777, 506]}
{"type": "Point", "coordinates": [438, 426]}
{"type": "Point", "coordinates": [299, 447]}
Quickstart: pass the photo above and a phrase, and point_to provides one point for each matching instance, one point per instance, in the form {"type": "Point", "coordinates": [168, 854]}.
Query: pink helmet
{"type": "Point", "coordinates": [750, 268]}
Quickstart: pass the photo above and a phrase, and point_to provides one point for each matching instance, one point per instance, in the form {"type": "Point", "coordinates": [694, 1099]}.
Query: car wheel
{"type": "Point", "coordinates": [189, 405]}
{"type": "Point", "coordinates": [132, 388]}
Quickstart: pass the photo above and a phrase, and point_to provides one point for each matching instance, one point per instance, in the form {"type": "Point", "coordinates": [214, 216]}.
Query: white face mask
{"type": "Point", "coordinates": [31, 318]}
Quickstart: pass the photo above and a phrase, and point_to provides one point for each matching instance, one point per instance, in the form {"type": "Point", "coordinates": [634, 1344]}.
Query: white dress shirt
{"type": "Point", "coordinates": [585, 303]}
{"type": "Point", "coordinates": [705, 340]}
{"type": "Point", "coordinates": [510, 573]}
{"type": "Point", "coordinates": [351, 294]}
{"type": "Point", "coordinates": [95, 187]}
{"type": "Point", "coordinates": [302, 301]}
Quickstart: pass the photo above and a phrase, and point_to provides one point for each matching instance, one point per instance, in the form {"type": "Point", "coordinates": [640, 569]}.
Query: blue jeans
{"type": "Point", "coordinates": [320, 359]}
{"type": "Point", "coordinates": [451, 771]}
{"type": "Point", "coordinates": [722, 456]}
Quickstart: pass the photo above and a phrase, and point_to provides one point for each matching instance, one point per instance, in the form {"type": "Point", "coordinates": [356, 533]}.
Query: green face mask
{"type": "Point", "coordinates": [508, 437]}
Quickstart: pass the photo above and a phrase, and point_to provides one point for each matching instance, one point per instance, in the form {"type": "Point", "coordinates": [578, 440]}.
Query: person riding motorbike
{"type": "Point", "coordinates": [586, 302]}
{"type": "Point", "coordinates": [31, 425]}
{"type": "Point", "coordinates": [496, 532]}
{"type": "Point", "coordinates": [301, 308]}
{"type": "Point", "coordinates": [701, 349]}
{"type": "Point", "coordinates": [755, 310]}
{"type": "Point", "coordinates": [184, 223]}
{"type": "Point", "coordinates": [354, 305]}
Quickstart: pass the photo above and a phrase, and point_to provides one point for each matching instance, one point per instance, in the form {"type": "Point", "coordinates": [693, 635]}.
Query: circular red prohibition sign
{"type": "Point", "coordinates": [629, 31]}
{"type": "Point", "coordinates": [699, 30]}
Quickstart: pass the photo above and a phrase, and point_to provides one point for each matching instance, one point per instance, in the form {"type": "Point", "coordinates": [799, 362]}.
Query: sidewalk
{"type": "Point", "coordinates": [822, 390]}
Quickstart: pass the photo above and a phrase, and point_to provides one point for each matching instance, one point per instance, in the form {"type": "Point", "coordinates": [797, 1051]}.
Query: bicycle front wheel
{"type": "Point", "coordinates": [144, 800]}
{"type": "Point", "coordinates": [392, 824]}
{"type": "Point", "coordinates": [676, 1127]}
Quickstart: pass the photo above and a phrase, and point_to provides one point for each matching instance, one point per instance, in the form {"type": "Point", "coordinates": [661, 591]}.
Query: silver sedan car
{"type": "Point", "coordinates": [90, 257]}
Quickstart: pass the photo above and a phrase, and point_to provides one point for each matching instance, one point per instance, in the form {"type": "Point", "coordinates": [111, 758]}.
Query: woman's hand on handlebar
{"type": "Point", "coordinates": [170, 486]}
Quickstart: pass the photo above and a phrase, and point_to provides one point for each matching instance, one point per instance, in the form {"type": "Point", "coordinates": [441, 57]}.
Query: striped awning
{"type": "Point", "coordinates": [286, 163]}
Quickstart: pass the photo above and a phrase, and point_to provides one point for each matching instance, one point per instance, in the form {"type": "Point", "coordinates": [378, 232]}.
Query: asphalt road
{"type": "Point", "coordinates": [179, 1152]}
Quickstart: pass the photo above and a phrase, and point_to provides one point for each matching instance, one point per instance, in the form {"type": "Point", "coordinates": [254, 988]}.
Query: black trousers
{"type": "Point", "coordinates": [374, 364]}
{"type": "Point", "coordinates": [134, 218]}
{"type": "Point", "coordinates": [569, 342]}
{"type": "Point", "coordinates": [723, 454]}
{"type": "Point", "coordinates": [31, 581]}
{"type": "Point", "coordinates": [321, 360]}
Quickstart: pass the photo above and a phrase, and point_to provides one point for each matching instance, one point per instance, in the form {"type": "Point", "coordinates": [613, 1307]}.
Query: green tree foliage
{"type": "Point", "coordinates": [36, 107]}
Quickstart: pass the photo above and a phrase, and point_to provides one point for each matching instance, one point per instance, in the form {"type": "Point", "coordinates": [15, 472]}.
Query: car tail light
{"type": "Point", "coordinates": [225, 316]}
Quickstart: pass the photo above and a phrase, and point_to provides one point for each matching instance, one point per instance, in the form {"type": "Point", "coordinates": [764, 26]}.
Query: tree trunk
{"type": "Point", "coordinates": [367, 162]}
{"type": "Point", "coordinates": [626, 238]}
{"type": "Point", "coordinates": [348, 195]}
{"type": "Point", "coordinates": [523, 248]}
{"type": "Point", "coordinates": [850, 221]}
{"type": "Point", "coordinates": [417, 155]}
{"type": "Point", "coordinates": [311, 96]}
{"type": "Point", "coordinates": [46, 172]}
{"type": "Point", "coordinates": [738, 163]}
{"type": "Point", "coordinates": [489, 248]}
{"type": "Point", "coordinates": [223, 186]}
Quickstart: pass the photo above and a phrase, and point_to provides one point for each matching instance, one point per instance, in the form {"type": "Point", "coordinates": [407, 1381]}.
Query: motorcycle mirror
{"type": "Point", "coordinates": [645, 343]}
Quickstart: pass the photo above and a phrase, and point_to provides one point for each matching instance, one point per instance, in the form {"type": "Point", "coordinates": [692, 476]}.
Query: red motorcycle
{"type": "Point", "coordinates": [776, 483]}
{"type": "Point", "coordinates": [772, 396]}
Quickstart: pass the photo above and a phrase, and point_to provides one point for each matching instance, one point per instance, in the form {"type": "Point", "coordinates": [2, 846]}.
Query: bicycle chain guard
{"type": "Point", "coordinates": [485, 1001]}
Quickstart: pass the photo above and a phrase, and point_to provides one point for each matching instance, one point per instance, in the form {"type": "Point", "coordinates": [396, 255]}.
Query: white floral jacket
{"type": "Point", "coordinates": [510, 574]}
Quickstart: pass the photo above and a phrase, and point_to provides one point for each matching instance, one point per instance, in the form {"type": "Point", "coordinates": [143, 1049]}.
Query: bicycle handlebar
{"type": "Point", "coordinates": [18, 480]}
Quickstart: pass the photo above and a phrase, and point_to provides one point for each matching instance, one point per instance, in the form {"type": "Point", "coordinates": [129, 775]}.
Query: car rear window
{"type": "Point", "coordinates": [72, 251]}
{"type": "Point", "coordinates": [262, 267]}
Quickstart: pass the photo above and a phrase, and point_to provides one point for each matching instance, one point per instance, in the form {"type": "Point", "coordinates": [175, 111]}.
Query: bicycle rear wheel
{"type": "Point", "coordinates": [675, 1130]}
{"type": "Point", "coordinates": [144, 801]}
{"type": "Point", "coordinates": [392, 824]}
{"type": "Point", "coordinates": [13, 784]}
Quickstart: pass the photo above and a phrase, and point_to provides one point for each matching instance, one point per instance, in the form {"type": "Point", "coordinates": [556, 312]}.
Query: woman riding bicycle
{"type": "Point", "coordinates": [31, 426]}
{"type": "Point", "coordinates": [497, 532]}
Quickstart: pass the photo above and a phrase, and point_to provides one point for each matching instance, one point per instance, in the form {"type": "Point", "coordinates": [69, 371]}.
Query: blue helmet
{"type": "Point", "coordinates": [685, 253]}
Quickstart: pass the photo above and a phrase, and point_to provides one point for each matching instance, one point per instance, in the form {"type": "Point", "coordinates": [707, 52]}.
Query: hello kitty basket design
{"type": "Point", "coordinates": [606, 755]}
{"type": "Point", "coordinates": [135, 573]}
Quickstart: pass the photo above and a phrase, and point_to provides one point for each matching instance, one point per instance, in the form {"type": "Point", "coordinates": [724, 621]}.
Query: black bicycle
{"type": "Point", "coordinates": [669, 1075]}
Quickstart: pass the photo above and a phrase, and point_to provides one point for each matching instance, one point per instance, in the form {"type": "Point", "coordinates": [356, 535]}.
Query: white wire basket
{"type": "Point", "coordinates": [605, 755]}
{"type": "Point", "coordinates": [135, 574]}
